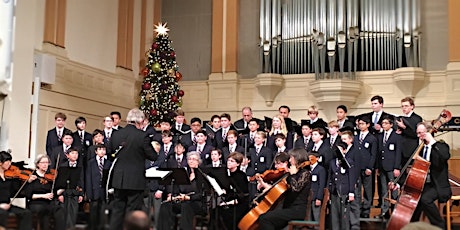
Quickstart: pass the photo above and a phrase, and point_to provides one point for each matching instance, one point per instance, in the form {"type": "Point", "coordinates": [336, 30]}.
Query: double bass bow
{"type": "Point", "coordinates": [412, 189]}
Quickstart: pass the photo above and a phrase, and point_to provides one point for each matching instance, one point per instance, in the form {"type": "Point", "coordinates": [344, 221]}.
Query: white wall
{"type": "Point", "coordinates": [91, 33]}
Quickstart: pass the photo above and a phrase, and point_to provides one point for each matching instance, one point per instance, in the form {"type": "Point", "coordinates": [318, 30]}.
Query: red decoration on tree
{"type": "Point", "coordinates": [174, 98]}
{"type": "Point", "coordinates": [146, 86]}
{"type": "Point", "coordinates": [154, 46]}
{"type": "Point", "coordinates": [178, 76]}
{"type": "Point", "coordinates": [153, 112]}
{"type": "Point", "coordinates": [172, 54]}
{"type": "Point", "coordinates": [145, 72]}
{"type": "Point", "coordinates": [181, 93]}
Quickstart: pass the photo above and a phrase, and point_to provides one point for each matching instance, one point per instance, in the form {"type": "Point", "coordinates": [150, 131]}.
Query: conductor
{"type": "Point", "coordinates": [131, 147]}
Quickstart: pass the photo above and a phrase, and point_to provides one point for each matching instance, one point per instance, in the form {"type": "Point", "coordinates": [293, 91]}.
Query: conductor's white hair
{"type": "Point", "coordinates": [135, 116]}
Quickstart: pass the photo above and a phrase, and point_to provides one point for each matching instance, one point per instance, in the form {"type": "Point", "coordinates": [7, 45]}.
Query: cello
{"type": "Point", "coordinates": [412, 189]}
{"type": "Point", "coordinates": [271, 199]}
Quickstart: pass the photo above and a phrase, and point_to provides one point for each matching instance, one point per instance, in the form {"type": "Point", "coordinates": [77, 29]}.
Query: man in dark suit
{"type": "Point", "coordinates": [133, 148]}
{"type": "Point", "coordinates": [95, 184]}
{"type": "Point", "coordinates": [53, 138]}
{"type": "Point", "coordinates": [388, 161]}
{"type": "Point", "coordinates": [407, 124]}
{"type": "Point", "coordinates": [284, 111]}
{"type": "Point", "coordinates": [437, 185]}
{"type": "Point", "coordinates": [368, 146]}
{"type": "Point", "coordinates": [243, 123]}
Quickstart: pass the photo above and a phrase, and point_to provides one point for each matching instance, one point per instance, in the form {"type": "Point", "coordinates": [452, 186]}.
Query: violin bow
{"type": "Point", "coordinates": [20, 188]}
{"type": "Point", "coordinates": [56, 172]}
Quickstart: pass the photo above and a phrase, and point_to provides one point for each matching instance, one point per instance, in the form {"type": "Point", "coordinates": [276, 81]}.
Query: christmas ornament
{"type": "Point", "coordinates": [178, 76]}
{"type": "Point", "coordinates": [153, 112]}
{"type": "Point", "coordinates": [172, 73]}
{"type": "Point", "coordinates": [174, 98]}
{"type": "Point", "coordinates": [181, 93]}
{"type": "Point", "coordinates": [146, 86]}
{"type": "Point", "coordinates": [148, 96]}
{"type": "Point", "coordinates": [164, 87]}
{"type": "Point", "coordinates": [145, 72]}
{"type": "Point", "coordinates": [155, 46]}
{"type": "Point", "coordinates": [156, 67]}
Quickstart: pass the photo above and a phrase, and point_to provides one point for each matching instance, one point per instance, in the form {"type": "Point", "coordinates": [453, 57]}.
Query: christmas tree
{"type": "Point", "coordinates": [160, 94]}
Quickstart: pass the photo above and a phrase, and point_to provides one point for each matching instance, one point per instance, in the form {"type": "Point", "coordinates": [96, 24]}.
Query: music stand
{"type": "Point", "coordinates": [218, 174]}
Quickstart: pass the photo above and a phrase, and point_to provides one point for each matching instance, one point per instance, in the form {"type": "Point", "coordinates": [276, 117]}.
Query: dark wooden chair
{"type": "Point", "coordinates": [321, 223]}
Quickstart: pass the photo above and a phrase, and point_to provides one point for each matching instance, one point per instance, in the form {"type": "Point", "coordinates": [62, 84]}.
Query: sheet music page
{"type": "Point", "coordinates": [215, 185]}
{"type": "Point", "coordinates": [153, 172]}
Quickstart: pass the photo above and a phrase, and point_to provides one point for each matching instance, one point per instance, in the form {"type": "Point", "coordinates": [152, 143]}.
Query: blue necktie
{"type": "Point", "coordinates": [425, 152]}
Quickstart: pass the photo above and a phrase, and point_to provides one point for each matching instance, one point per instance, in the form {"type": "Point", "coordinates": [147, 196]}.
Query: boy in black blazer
{"type": "Point", "coordinates": [389, 160]}
{"type": "Point", "coordinates": [95, 182]}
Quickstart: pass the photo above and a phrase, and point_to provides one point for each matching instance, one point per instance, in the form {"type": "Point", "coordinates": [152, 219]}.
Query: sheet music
{"type": "Point", "coordinates": [153, 172]}
{"type": "Point", "coordinates": [215, 185]}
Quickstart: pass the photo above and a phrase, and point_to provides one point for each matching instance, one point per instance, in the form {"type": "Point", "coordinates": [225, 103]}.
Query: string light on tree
{"type": "Point", "coordinates": [160, 93]}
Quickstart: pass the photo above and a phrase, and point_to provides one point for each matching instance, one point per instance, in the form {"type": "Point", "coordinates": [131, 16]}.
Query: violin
{"type": "Point", "coordinates": [48, 177]}
{"type": "Point", "coordinates": [15, 173]}
{"type": "Point", "coordinates": [269, 175]}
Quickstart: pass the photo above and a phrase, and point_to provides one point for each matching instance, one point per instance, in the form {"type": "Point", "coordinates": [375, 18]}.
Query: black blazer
{"type": "Point", "coordinates": [409, 134]}
{"type": "Point", "coordinates": [299, 143]}
{"type": "Point", "coordinates": [95, 186]}
{"type": "Point", "coordinates": [226, 152]}
{"type": "Point", "coordinates": [326, 154]}
{"type": "Point", "coordinates": [218, 141]}
{"type": "Point", "coordinates": [371, 127]}
{"type": "Point", "coordinates": [341, 179]}
{"type": "Point", "coordinates": [129, 170]}
{"type": "Point", "coordinates": [390, 154]}
{"type": "Point", "coordinates": [172, 161]}
{"type": "Point", "coordinates": [318, 182]}
{"type": "Point", "coordinates": [52, 139]}
{"type": "Point", "coordinates": [439, 170]}
{"type": "Point", "coordinates": [82, 145]}
{"type": "Point", "coordinates": [259, 162]}
{"type": "Point", "coordinates": [205, 153]}
{"type": "Point", "coordinates": [368, 151]}
{"type": "Point", "coordinates": [289, 142]}
{"type": "Point", "coordinates": [320, 123]}
{"type": "Point", "coordinates": [57, 151]}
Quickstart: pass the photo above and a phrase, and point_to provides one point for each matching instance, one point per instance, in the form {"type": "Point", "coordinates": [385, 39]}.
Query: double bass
{"type": "Point", "coordinates": [412, 189]}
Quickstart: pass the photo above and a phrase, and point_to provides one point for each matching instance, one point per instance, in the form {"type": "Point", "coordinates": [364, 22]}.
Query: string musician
{"type": "Point", "coordinates": [184, 199]}
{"type": "Point", "coordinates": [40, 196]}
{"type": "Point", "coordinates": [6, 190]}
{"type": "Point", "coordinates": [437, 185]}
{"type": "Point", "coordinates": [295, 201]}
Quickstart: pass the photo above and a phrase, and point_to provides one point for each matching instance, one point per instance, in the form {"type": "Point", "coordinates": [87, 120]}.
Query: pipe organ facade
{"type": "Point", "coordinates": [336, 38]}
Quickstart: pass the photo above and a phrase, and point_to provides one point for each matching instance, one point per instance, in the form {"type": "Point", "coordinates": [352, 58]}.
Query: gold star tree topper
{"type": "Point", "coordinates": [161, 29]}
